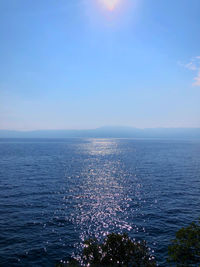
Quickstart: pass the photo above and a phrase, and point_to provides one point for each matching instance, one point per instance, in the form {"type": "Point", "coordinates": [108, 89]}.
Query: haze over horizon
{"type": "Point", "coordinates": [82, 64]}
{"type": "Point", "coordinates": [105, 127]}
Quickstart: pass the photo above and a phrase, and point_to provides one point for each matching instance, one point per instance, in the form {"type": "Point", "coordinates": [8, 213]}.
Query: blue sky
{"type": "Point", "coordinates": [77, 64]}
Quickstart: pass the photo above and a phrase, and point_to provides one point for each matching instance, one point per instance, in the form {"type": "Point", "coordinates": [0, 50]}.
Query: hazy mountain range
{"type": "Point", "coordinates": [108, 132]}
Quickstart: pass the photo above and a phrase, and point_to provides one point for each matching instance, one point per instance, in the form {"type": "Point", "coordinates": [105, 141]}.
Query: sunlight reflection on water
{"type": "Point", "coordinates": [101, 147]}
{"type": "Point", "coordinates": [104, 204]}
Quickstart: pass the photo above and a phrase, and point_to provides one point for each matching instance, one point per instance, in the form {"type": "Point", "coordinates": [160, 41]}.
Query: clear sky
{"type": "Point", "coordinates": [77, 64]}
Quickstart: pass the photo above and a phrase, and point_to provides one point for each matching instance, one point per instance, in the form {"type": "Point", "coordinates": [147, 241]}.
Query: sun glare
{"type": "Point", "coordinates": [110, 4]}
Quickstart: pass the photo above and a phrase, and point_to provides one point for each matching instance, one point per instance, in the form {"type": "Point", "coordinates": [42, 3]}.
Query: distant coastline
{"type": "Point", "coordinates": [108, 132]}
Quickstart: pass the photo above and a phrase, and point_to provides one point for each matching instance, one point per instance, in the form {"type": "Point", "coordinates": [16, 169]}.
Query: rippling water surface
{"type": "Point", "coordinates": [56, 193]}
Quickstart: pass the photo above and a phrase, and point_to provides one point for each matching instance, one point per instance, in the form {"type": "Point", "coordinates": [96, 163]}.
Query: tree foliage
{"type": "Point", "coordinates": [185, 248]}
{"type": "Point", "coordinates": [116, 250]}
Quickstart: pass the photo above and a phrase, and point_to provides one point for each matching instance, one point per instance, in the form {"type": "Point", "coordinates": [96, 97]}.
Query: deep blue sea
{"type": "Point", "coordinates": [56, 193]}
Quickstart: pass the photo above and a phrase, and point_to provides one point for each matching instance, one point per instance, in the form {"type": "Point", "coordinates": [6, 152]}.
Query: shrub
{"type": "Point", "coordinates": [185, 249]}
{"type": "Point", "coordinates": [116, 250]}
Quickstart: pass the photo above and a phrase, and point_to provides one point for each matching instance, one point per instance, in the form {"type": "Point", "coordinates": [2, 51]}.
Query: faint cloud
{"type": "Point", "coordinates": [194, 65]}
{"type": "Point", "coordinates": [190, 66]}
{"type": "Point", "coordinates": [197, 79]}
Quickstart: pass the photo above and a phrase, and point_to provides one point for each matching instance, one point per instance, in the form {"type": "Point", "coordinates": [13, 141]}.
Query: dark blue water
{"type": "Point", "coordinates": [56, 193]}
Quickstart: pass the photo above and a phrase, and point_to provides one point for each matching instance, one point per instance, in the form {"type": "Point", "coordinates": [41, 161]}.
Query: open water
{"type": "Point", "coordinates": [56, 193]}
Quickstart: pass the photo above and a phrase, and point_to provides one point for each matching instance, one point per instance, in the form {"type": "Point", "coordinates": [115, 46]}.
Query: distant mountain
{"type": "Point", "coordinates": [108, 132]}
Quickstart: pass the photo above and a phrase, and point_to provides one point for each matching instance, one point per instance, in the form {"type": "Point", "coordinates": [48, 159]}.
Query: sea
{"type": "Point", "coordinates": [56, 193]}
